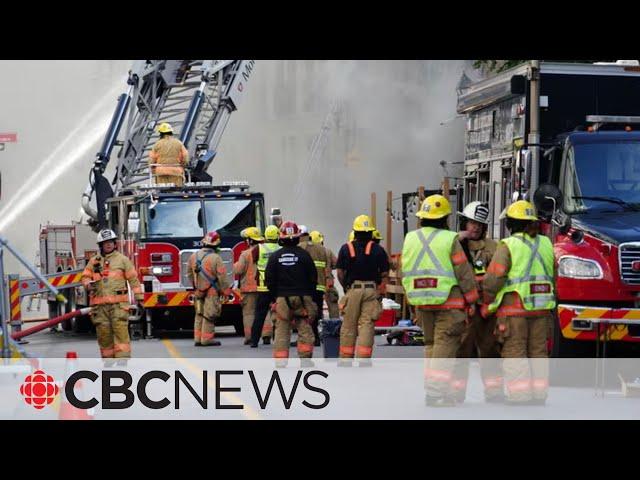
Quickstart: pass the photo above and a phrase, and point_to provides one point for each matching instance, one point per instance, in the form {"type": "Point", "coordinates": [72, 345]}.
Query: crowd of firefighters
{"type": "Point", "coordinates": [467, 292]}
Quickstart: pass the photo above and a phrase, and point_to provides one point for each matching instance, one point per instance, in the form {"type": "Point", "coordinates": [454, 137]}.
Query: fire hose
{"type": "Point", "coordinates": [51, 322]}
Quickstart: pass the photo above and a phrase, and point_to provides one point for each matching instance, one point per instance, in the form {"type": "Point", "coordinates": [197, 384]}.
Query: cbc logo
{"type": "Point", "coordinates": [39, 389]}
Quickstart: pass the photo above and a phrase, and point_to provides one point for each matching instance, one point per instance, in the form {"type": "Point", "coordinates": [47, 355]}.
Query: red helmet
{"type": "Point", "coordinates": [289, 230]}
{"type": "Point", "coordinates": [211, 239]}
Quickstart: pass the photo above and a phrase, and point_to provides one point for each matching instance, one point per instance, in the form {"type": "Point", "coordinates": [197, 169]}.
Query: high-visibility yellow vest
{"type": "Point", "coordinates": [531, 273]}
{"type": "Point", "coordinates": [427, 270]}
{"type": "Point", "coordinates": [264, 251]}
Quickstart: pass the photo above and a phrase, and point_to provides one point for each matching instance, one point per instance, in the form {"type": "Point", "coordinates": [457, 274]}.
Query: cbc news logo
{"type": "Point", "coordinates": [39, 389]}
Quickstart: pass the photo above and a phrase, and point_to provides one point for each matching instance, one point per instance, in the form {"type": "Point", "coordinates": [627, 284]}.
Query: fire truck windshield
{"type": "Point", "coordinates": [172, 218]}
{"type": "Point", "coordinates": [184, 218]}
{"type": "Point", "coordinates": [230, 217]}
{"type": "Point", "coordinates": [601, 177]}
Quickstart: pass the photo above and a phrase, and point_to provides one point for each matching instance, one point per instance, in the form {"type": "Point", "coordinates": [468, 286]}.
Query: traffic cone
{"type": "Point", "coordinates": [68, 411]}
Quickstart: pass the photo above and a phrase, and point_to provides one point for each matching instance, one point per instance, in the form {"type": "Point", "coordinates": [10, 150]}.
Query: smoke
{"type": "Point", "coordinates": [395, 122]}
{"type": "Point", "coordinates": [386, 134]}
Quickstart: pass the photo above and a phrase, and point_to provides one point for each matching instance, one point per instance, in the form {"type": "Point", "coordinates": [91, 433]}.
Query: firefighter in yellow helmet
{"type": "Point", "coordinates": [478, 337]}
{"type": "Point", "coordinates": [519, 288]}
{"type": "Point", "coordinates": [212, 286]}
{"type": "Point", "coordinates": [264, 317]}
{"type": "Point", "coordinates": [377, 237]}
{"type": "Point", "coordinates": [247, 271]}
{"type": "Point", "coordinates": [106, 276]}
{"type": "Point", "coordinates": [441, 286]}
{"type": "Point", "coordinates": [322, 261]}
{"type": "Point", "coordinates": [169, 156]}
{"type": "Point", "coordinates": [331, 295]}
{"type": "Point", "coordinates": [362, 266]}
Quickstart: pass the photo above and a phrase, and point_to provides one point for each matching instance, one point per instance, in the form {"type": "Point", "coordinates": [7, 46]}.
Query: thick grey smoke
{"type": "Point", "coordinates": [385, 134]}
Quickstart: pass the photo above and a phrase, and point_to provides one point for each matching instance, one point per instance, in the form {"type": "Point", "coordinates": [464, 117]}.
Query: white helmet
{"type": "Point", "coordinates": [106, 235]}
{"type": "Point", "coordinates": [303, 229]}
{"type": "Point", "coordinates": [477, 211]}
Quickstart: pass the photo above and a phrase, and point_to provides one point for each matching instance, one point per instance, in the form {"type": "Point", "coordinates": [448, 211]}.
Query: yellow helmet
{"type": "Point", "coordinates": [352, 236]}
{"type": "Point", "coordinates": [316, 237]}
{"type": "Point", "coordinates": [434, 207]}
{"type": "Point", "coordinates": [363, 223]}
{"type": "Point", "coordinates": [165, 128]}
{"type": "Point", "coordinates": [253, 233]}
{"type": "Point", "coordinates": [377, 235]}
{"type": "Point", "coordinates": [520, 210]}
{"type": "Point", "coordinates": [272, 233]}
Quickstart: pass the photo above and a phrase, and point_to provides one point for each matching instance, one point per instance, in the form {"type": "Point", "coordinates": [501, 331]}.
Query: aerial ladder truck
{"type": "Point", "coordinates": [160, 225]}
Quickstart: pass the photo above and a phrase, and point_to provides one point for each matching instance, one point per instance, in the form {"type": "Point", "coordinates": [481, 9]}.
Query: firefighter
{"type": "Point", "coordinates": [264, 318]}
{"type": "Point", "coordinates": [246, 269]}
{"type": "Point", "coordinates": [377, 238]}
{"type": "Point", "coordinates": [172, 156]}
{"type": "Point", "coordinates": [440, 284]}
{"type": "Point", "coordinates": [291, 277]}
{"type": "Point", "coordinates": [362, 266]}
{"type": "Point", "coordinates": [322, 261]}
{"type": "Point", "coordinates": [209, 277]}
{"type": "Point", "coordinates": [105, 277]}
{"type": "Point", "coordinates": [331, 295]}
{"type": "Point", "coordinates": [478, 337]}
{"type": "Point", "coordinates": [520, 288]}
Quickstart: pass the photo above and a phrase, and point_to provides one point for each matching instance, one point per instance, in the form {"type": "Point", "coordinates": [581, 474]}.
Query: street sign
{"type": "Point", "coordinates": [8, 137]}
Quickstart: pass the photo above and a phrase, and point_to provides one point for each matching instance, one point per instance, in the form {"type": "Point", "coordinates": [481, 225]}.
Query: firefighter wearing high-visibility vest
{"type": "Point", "coordinates": [264, 322]}
{"type": "Point", "coordinates": [208, 274]}
{"type": "Point", "coordinates": [322, 261]}
{"type": "Point", "coordinates": [478, 337]}
{"type": "Point", "coordinates": [519, 288]}
{"type": "Point", "coordinates": [105, 277]}
{"type": "Point", "coordinates": [362, 267]}
{"type": "Point", "coordinates": [247, 269]}
{"type": "Point", "coordinates": [331, 296]}
{"type": "Point", "coordinates": [440, 284]}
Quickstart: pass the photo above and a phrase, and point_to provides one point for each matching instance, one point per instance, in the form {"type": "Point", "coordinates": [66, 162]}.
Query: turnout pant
{"type": "Point", "coordinates": [478, 337]}
{"type": "Point", "coordinates": [207, 310]}
{"type": "Point", "coordinates": [112, 329]}
{"type": "Point", "coordinates": [361, 308]}
{"type": "Point", "coordinates": [442, 338]}
{"type": "Point", "coordinates": [332, 298]}
{"type": "Point", "coordinates": [524, 353]}
{"type": "Point", "coordinates": [301, 311]}
{"type": "Point", "coordinates": [249, 312]}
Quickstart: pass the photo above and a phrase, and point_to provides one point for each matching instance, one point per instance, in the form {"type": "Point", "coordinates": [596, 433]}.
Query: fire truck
{"type": "Point", "coordinates": [160, 225]}
{"type": "Point", "coordinates": [566, 136]}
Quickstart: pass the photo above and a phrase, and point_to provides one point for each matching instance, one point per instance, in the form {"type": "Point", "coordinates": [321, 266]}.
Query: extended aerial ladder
{"type": "Point", "coordinates": [196, 96]}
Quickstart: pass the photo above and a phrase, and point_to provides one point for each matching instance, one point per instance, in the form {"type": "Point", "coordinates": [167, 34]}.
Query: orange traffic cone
{"type": "Point", "coordinates": [68, 411]}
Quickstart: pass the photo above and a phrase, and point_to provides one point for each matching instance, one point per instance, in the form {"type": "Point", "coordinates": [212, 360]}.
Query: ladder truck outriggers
{"type": "Point", "coordinates": [160, 225]}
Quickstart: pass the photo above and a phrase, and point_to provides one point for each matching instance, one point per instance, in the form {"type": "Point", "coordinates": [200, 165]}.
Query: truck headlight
{"type": "Point", "coordinates": [168, 270]}
{"type": "Point", "coordinates": [575, 267]}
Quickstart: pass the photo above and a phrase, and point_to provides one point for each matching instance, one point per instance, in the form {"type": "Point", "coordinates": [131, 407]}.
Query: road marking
{"type": "Point", "coordinates": [247, 411]}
